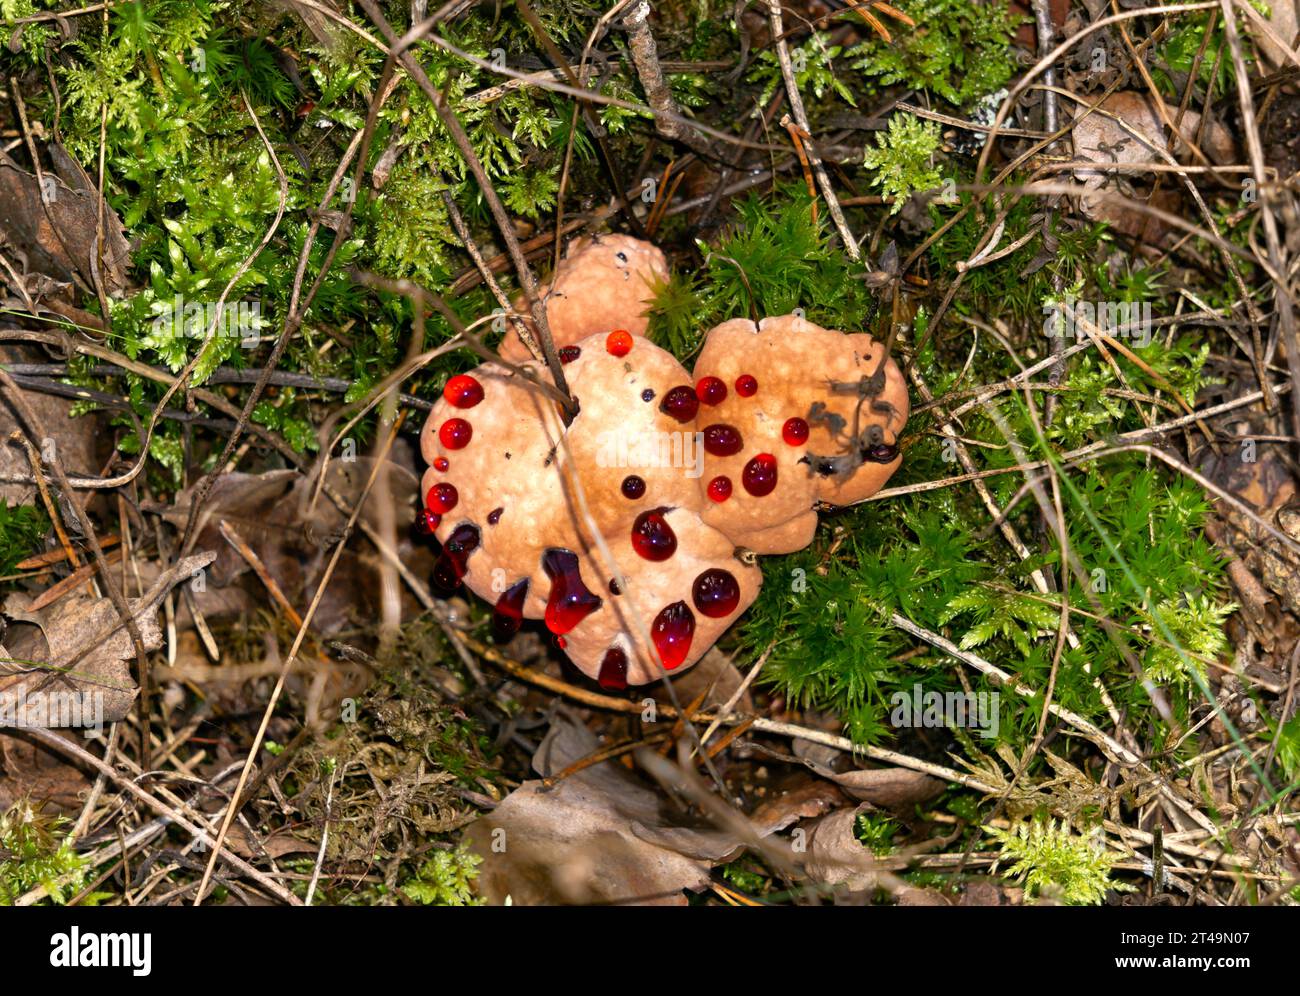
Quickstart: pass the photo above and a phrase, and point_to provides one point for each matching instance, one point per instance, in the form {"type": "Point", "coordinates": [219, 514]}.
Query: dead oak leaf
{"type": "Point", "coordinates": [70, 659]}
{"type": "Point", "coordinates": [585, 840]}
{"type": "Point", "coordinates": [1127, 129]}
{"type": "Point", "coordinates": [53, 221]}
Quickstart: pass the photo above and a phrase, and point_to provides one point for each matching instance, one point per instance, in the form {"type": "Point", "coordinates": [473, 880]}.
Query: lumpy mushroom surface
{"type": "Point", "coordinates": [630, 532]}
{"type": "Point", "coordinates": [811, 429]}
{"type": "Point", "coordinates": [604, 283]}
{"type": "Point", "coordinates": [528, 492]}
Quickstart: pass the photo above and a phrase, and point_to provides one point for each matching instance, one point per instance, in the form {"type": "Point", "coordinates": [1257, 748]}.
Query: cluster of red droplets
{"type": "Point", "coordinates": [715, 592]}
{"type": "Point", "coordinates": [464, 392]}
{"type": "Point", "coordinates": [760, 473]}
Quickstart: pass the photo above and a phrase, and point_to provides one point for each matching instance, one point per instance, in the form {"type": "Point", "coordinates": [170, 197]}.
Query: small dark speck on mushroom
{"type": "Point", "coordinates": [507, 455]}
{"type": "Point", "coordinates": [648, 394]}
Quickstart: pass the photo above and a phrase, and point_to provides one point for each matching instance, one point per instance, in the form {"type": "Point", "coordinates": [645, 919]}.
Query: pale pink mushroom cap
{"type": "Point", "coordinates": [605, 282]}
{"type": "Point", "coordinates": [804, 372]}
{"type": "Point", "coordinates": [526, 487]}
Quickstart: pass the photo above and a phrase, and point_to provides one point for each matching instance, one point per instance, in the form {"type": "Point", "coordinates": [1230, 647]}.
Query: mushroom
{"type": "Point", "coordinates": [630, 530]}
{"type": "Point", "coordinates": [793, 415]}
{"type": "Point", "coordinates": [604, 282]}
{"type": "Point", "coordinates": [518, 501]}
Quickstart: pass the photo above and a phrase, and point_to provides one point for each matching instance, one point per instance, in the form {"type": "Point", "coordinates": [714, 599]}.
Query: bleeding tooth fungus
{"type": "Point", "coordinates": [773, 405]}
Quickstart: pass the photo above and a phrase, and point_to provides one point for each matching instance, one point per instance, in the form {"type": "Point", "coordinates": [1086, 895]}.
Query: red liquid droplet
{"type": "Point", "coordinates": [570, 601]}
{"type": "Point", "coordinates": [569, 353]}
{"type": "Point", "coordinates": [508, 614]}
{"type": "Point", "coordinates": [746, 385]}
{"type": "Point", "coordinates": [450, 566]}
{"type": "Point", "coordinates": [561, 642]}
{"type": "Point", "coordinates": [722, 440]}
{"type": "Point", "coordinates": [613, 670]}
{"type": "Point", "coordinates": [633, 487]}
{"type": "Point", "coordinates": [494, 516]}
{"type": "Point", "coordinates": [881, 453]}
{"type": "Point", "coordinates": [672, 632]}
{"type": "Point", "coordinates": [463, 391]}
{"type": "Point", "coordinates": [455, 433]}
{"type": "Point", "coordinates": [442, 498]}
{"type": "Point", "coordinates": [427, 522]}
{"type": "Point", "coordinates": [720, 489]}
{"type": "Point", "coordinates": [759, 476]}
{"type": "Point", "coordinates": [681, 403]}
{"type": "Point", "coordinates": [652, 537]}
{"type": "Point", "coordinates": [716, 593]}
{"type": "Point", "coordinates": [795, 432]}
{"type": "Point", "coordinates": [440, 464]}
{"type": "Point", "coordinates": [619, 342]}
{"type": "Point", "coordinates": [711, 391]}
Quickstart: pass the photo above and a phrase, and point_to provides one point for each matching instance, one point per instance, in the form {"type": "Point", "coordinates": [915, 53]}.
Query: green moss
{"type": "Point", "coordinates": [903, 159]}
{"type": "Point", "coordinates": [958, 50]}
{"type": "Point", "coordinates": [1053, 862]}
{"type": "Point", "coordinates": [35, 851]}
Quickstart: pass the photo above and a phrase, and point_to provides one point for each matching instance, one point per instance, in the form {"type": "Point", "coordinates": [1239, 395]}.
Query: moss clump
{"type": "Point", "coordinates": [35, 851]}
{"type": "Point", "coordinates": [1055, 863]}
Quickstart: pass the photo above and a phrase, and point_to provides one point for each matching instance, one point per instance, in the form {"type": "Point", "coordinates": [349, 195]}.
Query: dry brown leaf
{"type": "Point", "coordinates": [836, 857]}
{"type": "Point", "coordinates": [810, 797]}
{"type": "Point", "coordinates": [585, 841]}
{"type": "Point", "coordinates": [1283, 22]}
{"type": "Point", "coordinates": [891, 788]}
{"type": "Point", "coordinates": [1099, 138]}
{"type": "Point", "coordinates": [56, 234]}
{"type": "Point", "coordinates": [76, 441]}
{"type": "Point", "coordinates": [274, 514]}
{"type": "Point", "coordinates": [29, 770]}
{"type": "Point", "coordinates": [40, 686]}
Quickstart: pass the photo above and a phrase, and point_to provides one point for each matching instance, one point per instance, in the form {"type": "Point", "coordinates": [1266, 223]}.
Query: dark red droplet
{"type": "Point", "coordinates": [746, 385]}
{"type": "Point", "coordinates": [570, 601]}
{"type": "Point", "coordinates": [759, 476]}
{"type": "Point", "coordinates": [508, 613]}
{"type": "Point", "coordinates": [427, 522]}
{"type": "Point", "coordinates": [613, 670]}
{"type": "Point", "coordinates": [633, 487]}
{"type": "Point", "coordinates": [722, 440]}
{"type": "Point", "coordinates": [681, 403]}
{"type": "Point", "coordinates": [652, 537]}
{"type": "Point", "coordinates": [619, 342]}
{"type": "Point", "coordinates": [614, 587]}
{"type": "Point", "coordinates": [463, 391]}
{"type": "Point", "coordinates": [648, 394]}
{"type": "Point", "coordinates": [795, 432]}
{"type": "Point", "coordinates": [450, 566]}
{"type": "Point", "coordinates": [569, 353]}
{"type": "Point", "coordinates": [711, 391]}
{"type": "Point", "coordinates": [561, 642]}
{"type": "Point", "coordinates": [442, 498]}
{"type": "Point", "coordinates": [672, 632]}
{"type": "Point", "coordinates": [716, 593]}
{"type": "Point", "coordinates": [720, 489]}
{"type": "Point", "coordinates": [494, 516]}
{"type": "Point", "coordinates": [441, 464]}
{"type": "Point", "coordinates": [455, 433]}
